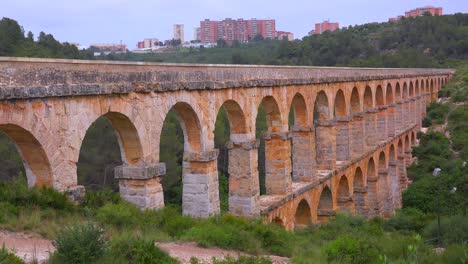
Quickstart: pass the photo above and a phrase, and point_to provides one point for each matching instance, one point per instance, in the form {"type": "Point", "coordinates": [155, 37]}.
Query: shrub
{"type": "Point", "coordinates": [80, 244]}
{"type": "Point", "coordinates": [454, 229]}
{"type": "Point", "coordinates": [119, 215]}
{"type": "Point", "coordinates": [135, 251]}
{"type": "Point", "coordinates": [170, 220]}
{"type": "Point", "coordinates": [9, 257]}
{"type": "Point", "coordinates": [437, 112]}
{"type": "Point", "coordinates": [407, 219]}
{"type": "Point", "coordinates": [346, 249]}
{"type": "Point", "coordinates": [96, 199]}
{"type": "Point", "coordinates": [243, 260]}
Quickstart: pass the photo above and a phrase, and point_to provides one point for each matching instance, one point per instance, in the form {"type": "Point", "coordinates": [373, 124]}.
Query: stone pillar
{"type": "Point", "coordinates": [357, 136]}
{"type": "Point", "coordinates": [391, 120]}
{"type": "Point", "coordinates": [384, 194]}
{"type": "Point", "coordinates": [395, 192]}
{"type": "Point", "coordinates": [418, 115]}
{"type": "Point", "coordinates": [342, 138]}
{"type": "Point", "coordinates": [373, 204]}
{"type": "Point", "coordinates": [381, 128]}
{"type": "Point", "coordinates": [200, 192]}
{"type": "Point", "coordinates": [325, 144]}
{"type": "Point", "coordinates": [406, 114]}
{"type": "Point", "coordinates": [360, 201]}
{"type": "Point", "coordinates": [423, 105]}
{"type": "Point", "coordinates": [370, 134]}
{"type": "Point", "coordinates": [413, 112]}
{"type": "Point", "coordinates": [277, 163]}
{"type": "Point", "coordinates": [403, 180]}
{"type": "Point", "coordinates": [345, 204]}
{"type": "Point", "coordinates": [141, 184]}
{"type": "Point", "coordinates": [244, 188]}
{"type": "Point", "coordinates": [303, 153]}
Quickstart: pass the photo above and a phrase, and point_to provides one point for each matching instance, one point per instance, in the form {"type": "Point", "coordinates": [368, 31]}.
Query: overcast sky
{"type": "Point", "coordinates": [109, 21]}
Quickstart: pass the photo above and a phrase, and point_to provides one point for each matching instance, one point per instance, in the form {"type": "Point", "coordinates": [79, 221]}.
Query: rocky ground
{"type": "Point", "coordinates": [34, 248]}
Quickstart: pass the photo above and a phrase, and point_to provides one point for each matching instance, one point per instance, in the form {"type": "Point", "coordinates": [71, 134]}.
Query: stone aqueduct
{"type": "Point", "coordinates": [351, 138]}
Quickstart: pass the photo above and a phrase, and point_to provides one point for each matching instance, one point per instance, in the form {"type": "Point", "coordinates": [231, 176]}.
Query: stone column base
{"type": "Point", "coordinates": [141, 185]}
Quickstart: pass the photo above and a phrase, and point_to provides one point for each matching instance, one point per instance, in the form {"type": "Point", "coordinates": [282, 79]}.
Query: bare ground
{"type": "Point", "coordinates": [32, 247]}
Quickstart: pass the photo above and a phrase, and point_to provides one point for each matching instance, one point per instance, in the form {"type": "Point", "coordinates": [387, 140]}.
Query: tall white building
{"type": "Point", "coordinates": [179, 32]}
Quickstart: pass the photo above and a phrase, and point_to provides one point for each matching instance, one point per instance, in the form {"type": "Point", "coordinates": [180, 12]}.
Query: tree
{"type": "Point", "coordinates": [258, 38]}
{"type": "Point", "coordinates": [221, 43]}
{"type": "Point", "coordinates": [11, 34]}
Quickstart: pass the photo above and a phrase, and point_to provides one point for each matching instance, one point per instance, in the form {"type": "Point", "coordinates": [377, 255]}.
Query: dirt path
{"type": "Point", "coordinates": [32, 247]}
{"type": "Point", "coordinates": [26, 246]}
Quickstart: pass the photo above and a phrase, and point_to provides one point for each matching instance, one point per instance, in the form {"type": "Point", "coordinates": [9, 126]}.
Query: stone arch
{"type": "Point", "coordinates": [321, 108]}
{"type": "Point", "coordinates": [273, 114]}
{"type": "Point", "coordinates": [423, 87]}
{"type": "Point", "coordinates": [407, 144]}
{"type": "Point", "coordinates": [368, 99]}
{"type": "Point", "coordinates": [325, 205]}
{"type": "Point", "coordinates": [416, 88]}
{"type": "Point", "coordinates": [400, 147]}
{"type": "Point", "coordinates": [236, 117]}
{"type": "Point", "coordinates": [340, 104]}
{"type": "Point", "coordinates": [397, 92]}
{"type": "Point", "coordinates": [190, 124]}
{"type": "Point", "coordinates": [303, 216]}
{"type": "Point", "coordinates": [411, 89]}
{"type": "Point", "coordinates": [355, 106]}
{"type": "Point", "coordinates": [413, 138]}
{"type": "Point", "coordinates": [427, 86]}
{"type": "Point", "coordinates": [35, 160]}
{"type": "Point", "coordinates": [299, 108]}
{"type": "Point", "coordinates": [405, 91]}
{"type": "Point", "coordinates": [278, 221]}
{"type": "Point", "coordinates": [382, 162]}
{"type": "Point", "coordinates": [343, 196]}
{"type": "Point", "coordinates": [379, 96]}
{"type": "Point", "coordinates": [360, 193]}
{"type": "Point", "coordinates": [393, 196]}
{"type": "Point", "coordinates": [389, 94]}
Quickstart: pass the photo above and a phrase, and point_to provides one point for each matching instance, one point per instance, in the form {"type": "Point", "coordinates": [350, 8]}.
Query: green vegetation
{"type": "Point", "coordinates": [126, 235]}
{"type": "Point", "coordinates": [6, 256]}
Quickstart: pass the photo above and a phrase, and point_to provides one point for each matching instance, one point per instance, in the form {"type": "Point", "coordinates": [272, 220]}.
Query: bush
{"type": "Point", "coordinates": [119, 215]}
{"type": "Point", "coordinates": [454, 229]}
{"type": "Point", "coordinates": [135, 251]}
{"type": "Point", "coordinates": [96, 199]}
{"type": "Point", "coordinates": [437, 112]}
{"type": "Point", "coordinates": [80, 244]}
{"type": "Point", "coordinates": [407, 219]}
{"type": "Point", "coordinates": [346, 249]}
{"type": "Point", "coordinates": [243, 260]}
{"type": "Point", "coordinates": [170, 220]}
{"type": "Point", "coordinates": [8, 257]}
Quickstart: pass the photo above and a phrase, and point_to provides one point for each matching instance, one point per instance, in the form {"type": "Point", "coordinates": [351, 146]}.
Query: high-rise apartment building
{"type": "Point", "coordinates": [433, 11]}
{"type": "Point", "coordinates": [179, 32]}
{"type": "Point", "coordinates": [236, 29]}
{"type": "Point", "coordinates": [284, 34]}
{"type": "Point", "coordinates": [325, 26]}
{"type": "Point", "coordinates": [148, 43]}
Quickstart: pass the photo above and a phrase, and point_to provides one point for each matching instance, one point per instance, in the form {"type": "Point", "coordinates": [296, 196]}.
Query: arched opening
{"type": "Point", "coordinates": [405, 90]}
{"type": "Point", "coordinates": [413, 138]}
{"type": "Point", "coordinates": [360, 193]}
{"type": "Point", "coordinates": [324, 134]}
{"type": "Point", "coordinates": [342, 128]}
{"type": "Point", "coordinates": [397, 92]}
{"type": "Point", "coordinates": [432, 91]}
{"type": "Point", "coordinates": [230, 125]}
{"type": "Point", "coordinates": [301, 146]}
{"type": "Point", "coordinates": [279, 222]}
{"type": "Point", "coordinates": [303, 217]}
{"type": "Point", "coordinates": [111, 140]}
{"type": "Point", "coordinates": [325, 206]}
{"type": "Point", "coordinates": [382, 185]}
{"type": "Point", "coordinates": [423, 87]}
{"type": "Point", "coordinates": [389, 94]}
{"type": "Point", "coordinates": [372, 189]}
{"type": "Point", "coordinates": [368, 101]}
{"type": "Point", "coordinates": [181, 132]}
{"type": "Point", "coordinates": [345, 201]}
{"type": "Point", "coordinates": [379, 97]}
{"type": "Point", "coordinates": [411, 90]}
{"type": "Point", "coordinates": [21, 155]}
{"type": "Point", "coordinates": [355, 102]}
{"type": "Point", "coordinates": [274, 162]}
{"type": "Point", "coordinates": [407, 144]}
{"type": "Point", "coordinates": [340, 104]}
{"type": "Point", "coordinates": [416, 89]}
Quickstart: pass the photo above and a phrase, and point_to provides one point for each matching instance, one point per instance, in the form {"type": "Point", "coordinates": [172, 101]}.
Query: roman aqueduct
{"type": "Point", "coordinates": [351, 139]}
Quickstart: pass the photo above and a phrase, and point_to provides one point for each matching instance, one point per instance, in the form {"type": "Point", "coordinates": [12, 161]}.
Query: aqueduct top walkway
{"type": "Point", "coordinates": [351, 138]}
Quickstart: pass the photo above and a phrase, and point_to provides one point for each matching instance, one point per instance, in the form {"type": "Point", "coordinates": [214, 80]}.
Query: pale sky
{"type": "Point", "coordinates": [109, 21]}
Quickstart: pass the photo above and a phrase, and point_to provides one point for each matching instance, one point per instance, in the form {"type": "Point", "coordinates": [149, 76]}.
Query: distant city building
{"type": "Point", "coordinates": [284, 34]}
{"type": "Point", "coordinates": [236, 29]}
{"type": "Point", "coordinates": [196, 34]}
{"type": "Point", "coordinates": [420, 11]}
{"type": "Point", "coordinates": [179, 32]}
{"type": "Point", "coordinates": [433, 11]}
{"type": "Point", "coordinates": [148, 43]}
{"type": "Point", "coordinates": [110, 47]}
{"type": "Point", "coordinates": [325, 26]}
